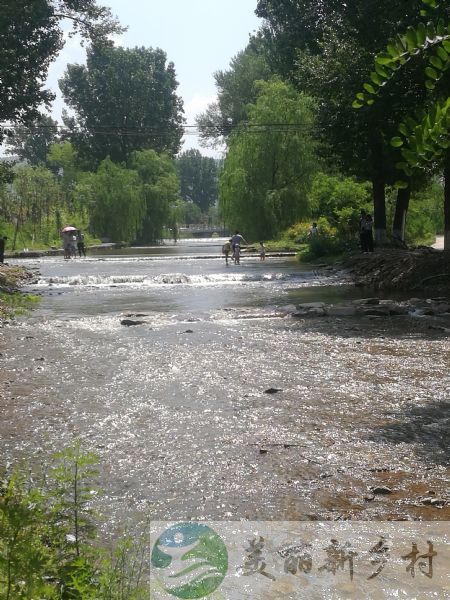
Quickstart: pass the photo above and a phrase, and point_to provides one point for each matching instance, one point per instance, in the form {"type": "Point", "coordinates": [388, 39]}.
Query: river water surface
{"type": "Point", "coordinates": [177, 407]}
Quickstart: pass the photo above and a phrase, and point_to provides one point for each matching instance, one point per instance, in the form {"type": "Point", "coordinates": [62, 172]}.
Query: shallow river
{"type": "Point", "coordinates": [177, 409]}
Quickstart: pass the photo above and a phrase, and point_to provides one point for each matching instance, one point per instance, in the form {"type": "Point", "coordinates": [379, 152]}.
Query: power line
{"type": "Point", "coordinates": [159, 130]}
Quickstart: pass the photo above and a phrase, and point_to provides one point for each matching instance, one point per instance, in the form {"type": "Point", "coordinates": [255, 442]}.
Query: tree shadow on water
{"type": "Point", "coordinates": [426, 428]}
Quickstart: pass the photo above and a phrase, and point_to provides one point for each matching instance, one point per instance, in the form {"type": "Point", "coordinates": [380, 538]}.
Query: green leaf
{"type": "Point", "coordinates": [431, 73]}
{"type": "Point", "coordinates": [431, 31]}
{"type": "Point", "coordinates": [369, 88]}
{"type": "Point", "coordinates": [384, 59]}
{"type": "Point", "coordinates": [437, 62]}
{"type": "Point", "coordinates": [403, 129]}
{"type": "Point", "coordinates": [411, 39]}
{"type": "Point", "coordinates": [396, 142]}
{"type": "Point", "coordinates": [443, 55]}
{"type": "Point", "coordinates": [429, 84]}
{"type": "Point", "coordinates": [376, 78]}
{"type": "Point", "coordinates": [382, 72]}
{"type": "Point", "coordinates": [361, 96]}
{"type": "Point", "coordinates": [421, 33]}
{"type": "Point", "coordinates": [392, 50]}
{"type": "Point", "coordinates": [446, 45]}
{"type": "Point", "coordinates": [357, 104]}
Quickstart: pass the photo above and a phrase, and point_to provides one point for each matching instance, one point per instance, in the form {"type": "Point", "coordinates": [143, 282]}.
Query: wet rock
{"type": "Point", "coordinates": [379, 311]}
{"type": "Point", "coordinates": [426, 500]}
{"type": "Point", "coordinates": [396, 309]}
{"type": "Point", "coordinates": [438, 502]}
{"type": "Point", "coordinates": [363, 301]}
{"type": "Point", "coordinates": [309, 305]}
{"type": "Point", "coordinates": [131, 322]}
{"type": "Point", "coordinates": [381, 489]}
{"type": "Point", "coordinates": [341, 311]}
{"type": "Point", "coordinates": [272, 390]}
{"type": "Point", "coordinates": [189, 331]}
{"type": "Point", "coordinates": [441, 308]}
{"type": "Point", "coordinates": [288, 308]}
{"type": "Point", "coordinates": [310, 312]}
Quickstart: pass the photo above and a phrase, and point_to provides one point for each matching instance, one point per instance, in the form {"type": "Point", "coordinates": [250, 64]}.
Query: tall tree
{"type": "Point", "coordinates": [32, 142]}
{"type": "Point", "coordinates": [235, 89]}
{"type": "Point", "coordinates": [424, 141]}
{"type": "Point", "coordinates": [124, 100]}
{"type": "Point", "coordinates": [325, 47]}
{"type": "Point", "coordinates": [31, 35]}
{"type": "Point", "coordinates": [270, 164]}
{"type": "Point", "coordinates": [119, 206]}
{"type": "Point", "coordinates": [159, 188]}
{"type": "Point", "coordinates": [198, 176]}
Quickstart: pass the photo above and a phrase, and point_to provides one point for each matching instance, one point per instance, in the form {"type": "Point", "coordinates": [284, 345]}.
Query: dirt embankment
{"type": "Point", "coordinates": [11, 279]}
{"type": "Point", "coordinates": [422, 269]}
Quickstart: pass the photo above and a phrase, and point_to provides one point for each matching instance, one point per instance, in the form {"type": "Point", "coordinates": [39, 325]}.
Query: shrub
{"type": "Point", "coordinates": [48, 538]}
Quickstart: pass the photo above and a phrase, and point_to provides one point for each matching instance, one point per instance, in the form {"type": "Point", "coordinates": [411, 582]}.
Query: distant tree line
{"type": "Point", "coordinates": [114, 166]}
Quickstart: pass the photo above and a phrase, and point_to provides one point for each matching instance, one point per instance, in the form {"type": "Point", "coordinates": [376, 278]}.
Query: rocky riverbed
{"type": "Point", "coordinates": [231, 396]}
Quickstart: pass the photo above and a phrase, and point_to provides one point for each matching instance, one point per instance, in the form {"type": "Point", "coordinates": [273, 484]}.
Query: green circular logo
{"type": "Point", "coordinates": [191, 560]}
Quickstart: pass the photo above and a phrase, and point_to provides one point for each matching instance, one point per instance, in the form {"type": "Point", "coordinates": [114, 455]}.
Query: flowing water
{"type": "Point", "coordinates": [176, 406]}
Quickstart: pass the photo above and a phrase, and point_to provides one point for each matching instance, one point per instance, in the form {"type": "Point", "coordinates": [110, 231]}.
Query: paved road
{"type": "Point", "coordinates": [439, 244]}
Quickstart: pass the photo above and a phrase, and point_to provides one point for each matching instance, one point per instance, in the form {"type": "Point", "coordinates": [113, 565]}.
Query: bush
{"type": "Point", "coordinates": [48, 538]}
{"type": "Point", "coordinates": [324, 245]}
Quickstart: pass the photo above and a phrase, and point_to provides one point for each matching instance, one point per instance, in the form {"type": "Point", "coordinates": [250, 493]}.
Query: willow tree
{"type": "Point", "coordinates": [270, 164]}
{"type": "Point", "coordinates": [160, 190]}
{"type": "Point", "coordinates": [119, 207]}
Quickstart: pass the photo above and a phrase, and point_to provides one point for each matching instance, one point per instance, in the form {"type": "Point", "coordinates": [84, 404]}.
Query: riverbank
{"type": "Point", "coordinates": [60, 251]}
{"type": "Point", "coordinates": [423, 269]}
{"type": "Point", "coordinates": [11, 280]}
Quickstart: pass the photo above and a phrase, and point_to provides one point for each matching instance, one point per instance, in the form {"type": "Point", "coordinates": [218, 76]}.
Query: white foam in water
{"type": "Point", "coordinates": [167, 279]}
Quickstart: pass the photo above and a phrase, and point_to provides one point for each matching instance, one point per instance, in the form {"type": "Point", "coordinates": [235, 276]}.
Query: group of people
{"type": "Point", "coordinates": [233, 247]}
{"type": "Point", "coordinates": [366, 232]}
{"type": "Point", "coordinates": [73, 242]}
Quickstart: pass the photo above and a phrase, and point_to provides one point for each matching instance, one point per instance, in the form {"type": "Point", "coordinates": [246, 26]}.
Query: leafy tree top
{"type": "Point", "coordinates": [31, 35]}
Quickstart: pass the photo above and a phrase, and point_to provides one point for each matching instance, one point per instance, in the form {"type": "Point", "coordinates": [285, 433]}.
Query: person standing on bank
{"type": "Point", "coordinates": [2, 248]}
{"type": "Point", "coordinates": [362, 240]}
{"type": "Point", "coordinates": [80, 245]}
{"type": "Point", "coordinates": [368, 233]}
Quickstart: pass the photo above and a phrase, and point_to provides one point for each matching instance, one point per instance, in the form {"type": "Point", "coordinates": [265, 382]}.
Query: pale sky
{"type": "Point", "coordinates": [198, 36]}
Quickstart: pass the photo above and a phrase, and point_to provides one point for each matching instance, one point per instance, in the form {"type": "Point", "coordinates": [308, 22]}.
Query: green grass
{"type": "Point", "coordinates": [15, 304]}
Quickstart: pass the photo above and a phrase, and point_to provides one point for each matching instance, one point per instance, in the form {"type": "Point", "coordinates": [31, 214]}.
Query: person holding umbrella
{"type": "Point", "coordinates": [68, 234]}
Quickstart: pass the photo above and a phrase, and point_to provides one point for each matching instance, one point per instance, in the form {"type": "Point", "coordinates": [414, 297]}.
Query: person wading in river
{"type": "Point", "coordinates": [226, 249]}
{"type": "Point", "coordinates": [236, 242]}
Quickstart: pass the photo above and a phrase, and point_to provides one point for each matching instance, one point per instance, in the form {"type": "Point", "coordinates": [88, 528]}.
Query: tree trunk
{"type": "Point", "coordinates": [447, 204]}
{"type": "Point", "coordinates": [401, 209]}
{"type": "Point", "coordinates": [378, 187]}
